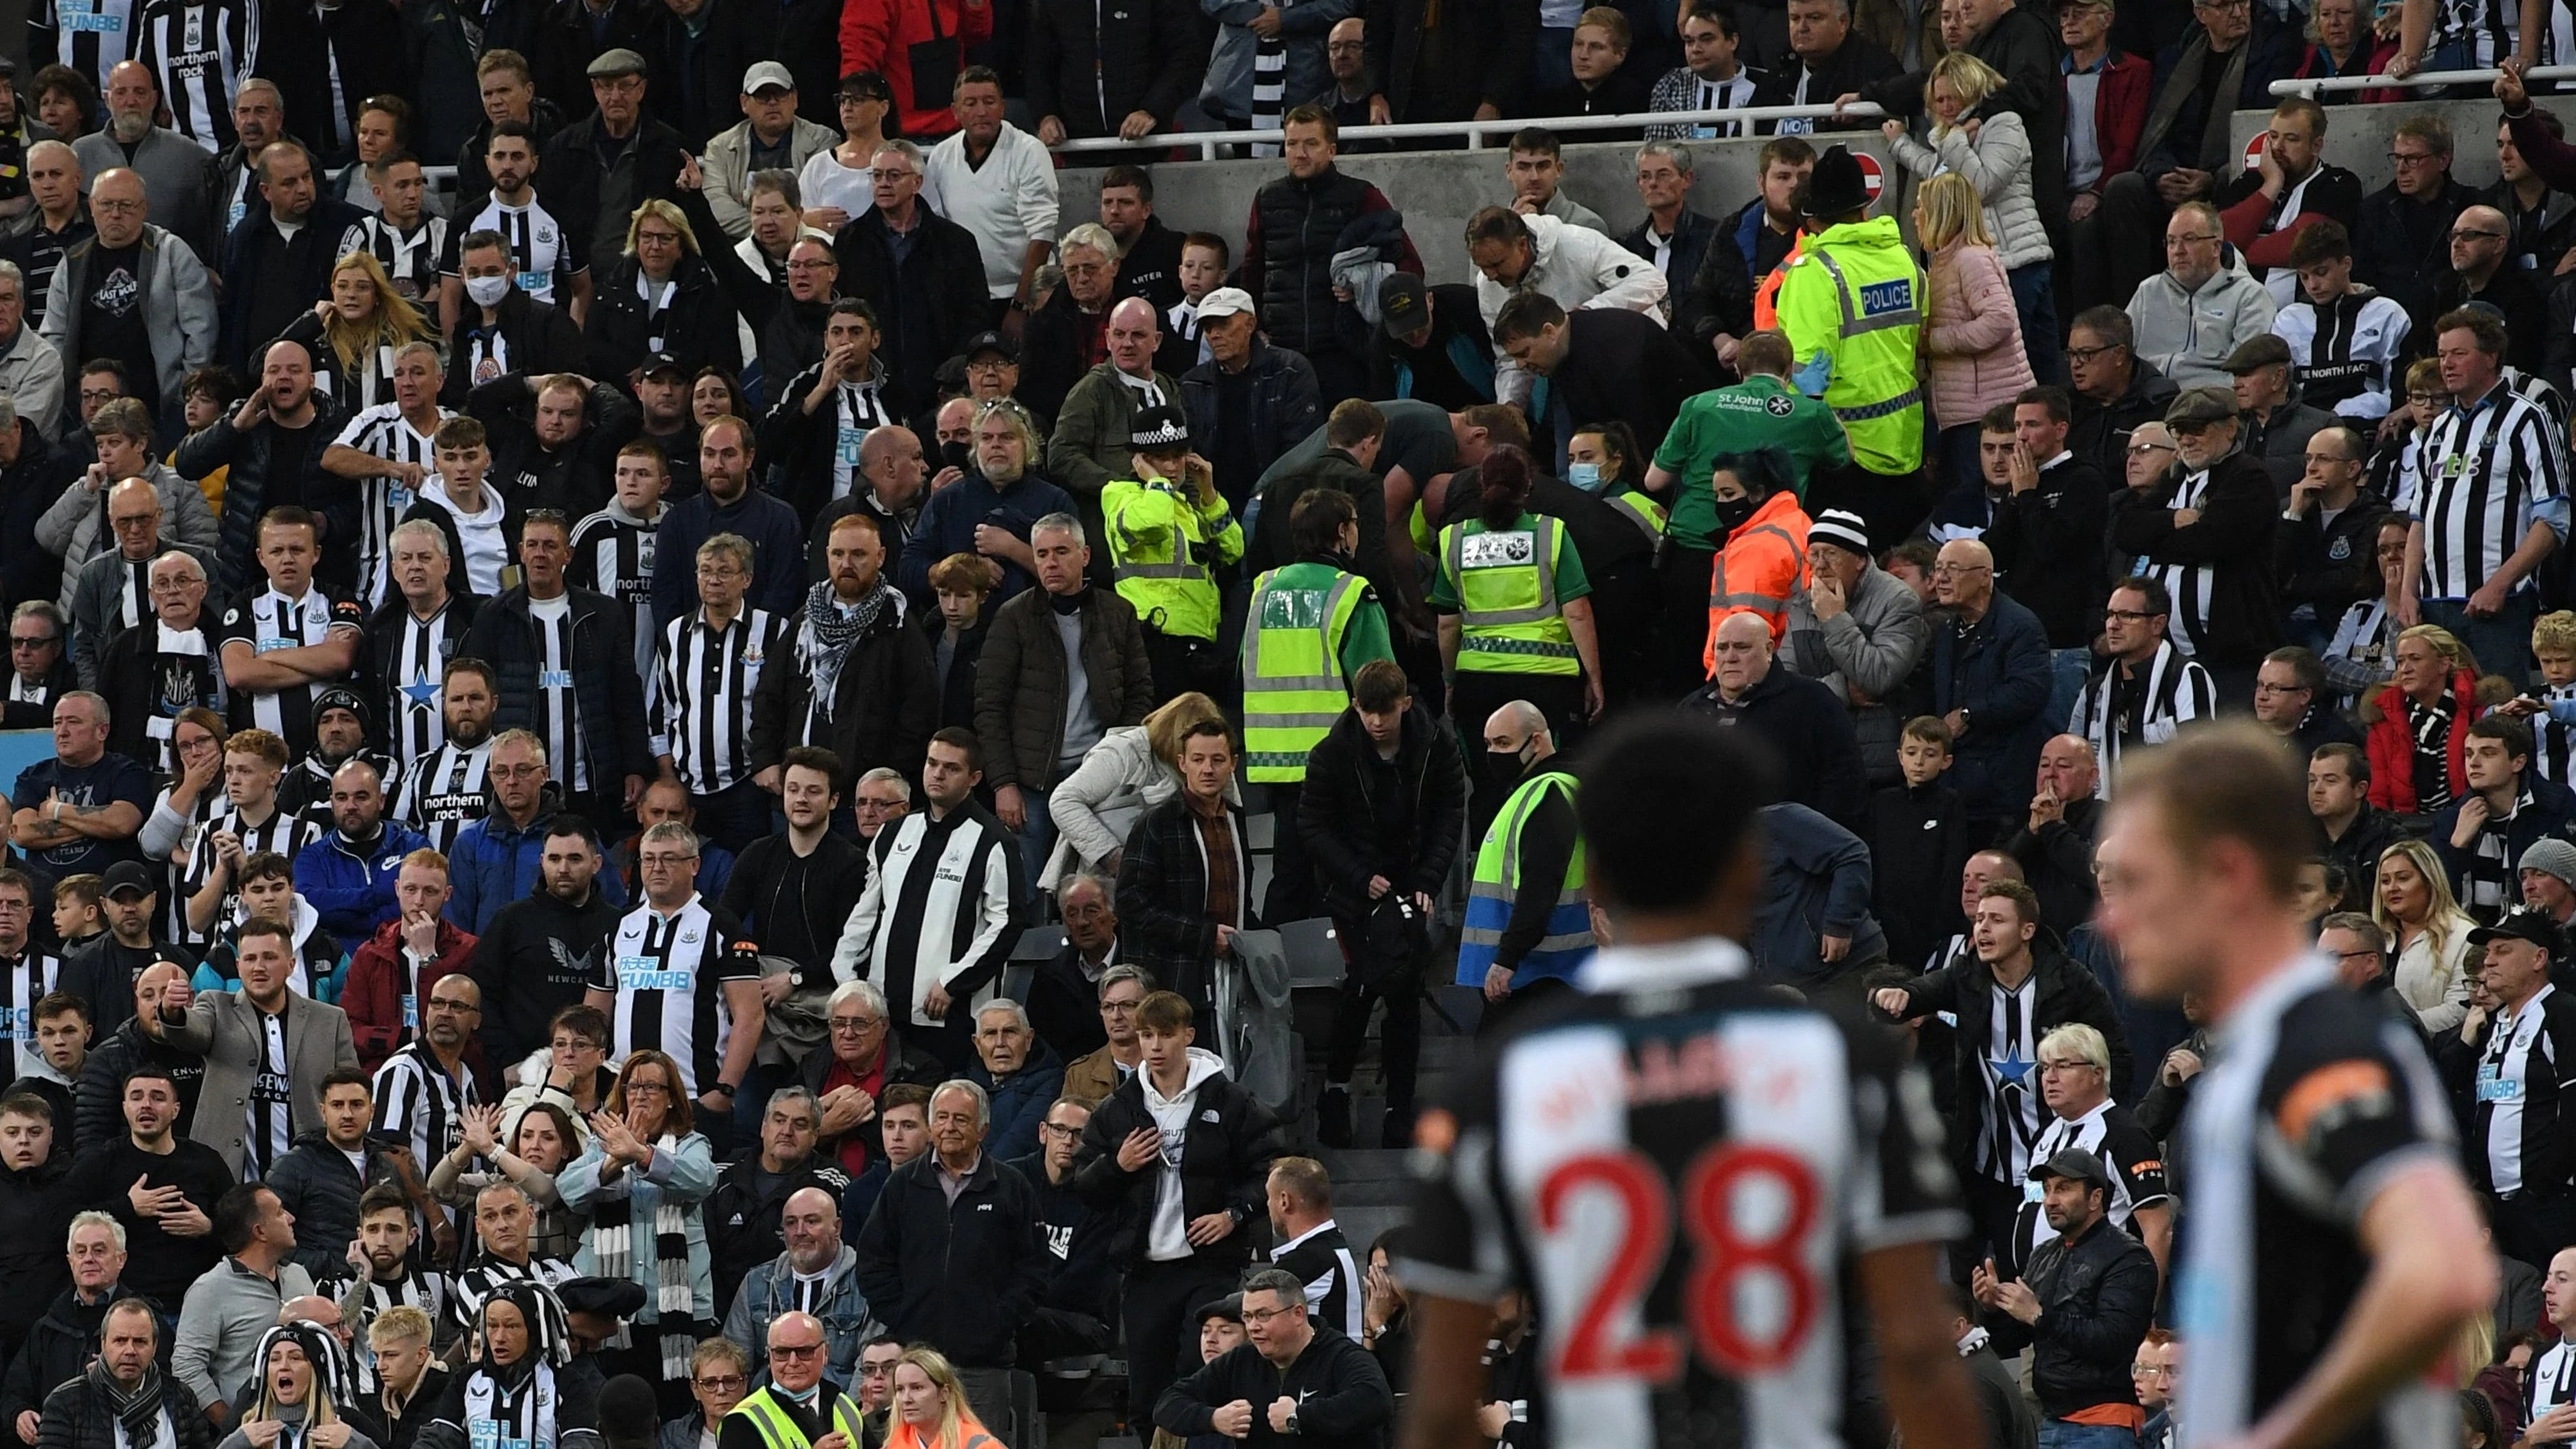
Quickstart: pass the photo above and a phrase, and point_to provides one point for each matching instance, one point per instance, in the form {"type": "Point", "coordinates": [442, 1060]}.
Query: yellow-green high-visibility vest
{"type": "Point", "coordinates": [1641, 510]}
{"type": "Point", "coordinates": [1508, 612]}
{"type": "Point", "coordinates": [778, 1431]}
{"type": "Point", "coordinates": [1293, 687]}
{"type": "Point", "coordinates": [1497, 885]}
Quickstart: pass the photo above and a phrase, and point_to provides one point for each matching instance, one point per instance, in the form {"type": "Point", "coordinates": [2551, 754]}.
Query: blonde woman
{"type": "Point", "coordinates": [660, 298]}
{"type": "Point", "coordinates": [301, 1375]}
{"type": "Point", "coordinates": [354, 332]}
{"type": "Point", "coordinates": [1973, 331]}
{"type": "Point", "coordinates": [1131, 770]}
{"type": "Point", "coordinates": [2429, 931]}
{"type": "Point", "coordinates": [930, 1409]}
{"type": "Point", "coordinates": [1993, 152]}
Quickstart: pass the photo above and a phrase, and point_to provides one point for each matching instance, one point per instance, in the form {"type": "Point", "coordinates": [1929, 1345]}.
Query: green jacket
{"type": "Point", "coordinates": [1758, 412]}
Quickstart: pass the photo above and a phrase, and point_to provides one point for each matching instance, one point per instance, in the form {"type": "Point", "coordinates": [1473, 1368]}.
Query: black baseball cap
{"type": "Point", "coordinates": [663, 362]}
{"type": "Point", "coordinates": [2074, 1164]}
{"type": "Point", "coordinates": [127, 875]}
{"type": "Point", "coordinates": [983, 342]}
{"type": "Point", "coordinates": [1229, 1308]}
{"type": "Point", "coordinates": [1404, 302]}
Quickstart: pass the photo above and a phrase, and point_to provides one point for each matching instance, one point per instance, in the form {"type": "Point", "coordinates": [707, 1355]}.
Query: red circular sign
{"type": "Point", "coordinates": [1872, 175]}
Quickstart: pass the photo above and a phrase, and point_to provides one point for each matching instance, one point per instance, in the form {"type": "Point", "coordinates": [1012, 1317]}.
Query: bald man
{"type": "Point", "coordinates": [889, 488]}
{"type": "Point", "coordinates": [1991, 675]}
{"type": "Point", "coordinates": [1090, 444]}
{"type": "Point", "coordinates": [2549, 1407]}
{"type": "Point", "coordinates": [2054, 845]}
{"type": "Point", "coordinates": [2482, 271]}
{"type": "Point", "coordinates": [1507, 949]}
{"type": "Point", "coordinates": [1803, 722]}
{"type": "Point", "coordinates": [815, 1274]}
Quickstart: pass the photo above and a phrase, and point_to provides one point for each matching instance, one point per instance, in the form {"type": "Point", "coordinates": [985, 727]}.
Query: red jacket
{"type": "Point", "coordinates": [2120, 112]}
{"type": "Point", "coordinates": [2391, 745]}
{"type": "Point", "coordinates": [373, 996]}
{"type": "Point", "coordinates": [879, 35]}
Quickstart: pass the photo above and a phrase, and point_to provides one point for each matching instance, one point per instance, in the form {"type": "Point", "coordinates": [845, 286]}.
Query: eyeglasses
{"type": "Point", "coordinates": [2463, 235]}
{"type": "Point", "coordinates": [1948, 570]}
{"type": "Point", "coordinates": [857, 1025]}
{"type": "Point", "coordinates": [1128, 1008]}
{"type": "Point", "coordinates": [20, 642]}
{"type": "Point", "coordinates": [2260, 687]}
{"type": "Point", "coordinates": [2136, 448]}
{"type": "Point", "coordinates": [2189, 239]}
{"type": "Point", "coordinates": [2409, 158]}
{"type": "Point", "coordinates": [723, 1383]}
{"type": "Point", "coordinates": [2150, 1371]}
{"type": "Point", "coordinates": [2130, 616]}
{"type": "Point", "coordinates": [1058, 1129]}
{"type": "Point", "coordinates": [1264, 1315]}
{"type": "Point", "coordinates": [865, 804]}
{"type": "Point", "coordinates": [810, 265]}
{"type": "Point", "coordinates": [794, 1350]}
{"type": "Point", "coordinates": [647, 1089]}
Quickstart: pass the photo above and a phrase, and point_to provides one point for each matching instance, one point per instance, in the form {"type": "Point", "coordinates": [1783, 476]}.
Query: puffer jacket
{"type": "Point", "coordinates": [494, 863]}
{"type": "Point", "coordinates": [245, 455]}
{"type": "Point", "coordinates": [2390, 742]}
{"type": "Point", "coordinates": [1974, 335]}
{"type": "Point", "coordinates": [77, 1416]}
{"type": "Point", "coordinates": [1870, 647]}
{"type": "Point", "coordinates": [2187, 335]}
{"type": "Point", "coordinates": [612, 699]}
{"type": "Point", "coordinates": [885, 701]}
{"type": "Point", "coordinates": [58, 1347]}
{"type": "Point", "coordinates": [1225, 1157]}
{"type": "Point", "coordinates": [1121, 768]}
{"type": "Point", "coordinates": [1020, 682]}
{"type": "Point", "coordinates": [1363, 816]}
{"type": "Point", "coordinates": [317, 1182]}
{"type": "Point", "coordinates": [76, 526]}
{"type": "Point", "coordinates": [1020, 1100]}
{"type": "Point", "coordinates": [1997, 163]}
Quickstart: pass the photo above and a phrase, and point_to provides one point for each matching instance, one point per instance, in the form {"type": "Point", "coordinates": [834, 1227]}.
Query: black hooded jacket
{"type": "Point", "coordinates": [1363, 815]}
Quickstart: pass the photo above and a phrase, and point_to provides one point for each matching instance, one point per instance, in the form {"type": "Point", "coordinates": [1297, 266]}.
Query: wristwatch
{"type": "Point", "coordinates": [728, 1088]}
{"type": "Point", "coordinates": [1292, 1422]}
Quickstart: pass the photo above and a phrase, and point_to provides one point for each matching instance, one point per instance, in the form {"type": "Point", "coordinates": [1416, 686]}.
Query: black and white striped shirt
{"type": "Point", "coordinates": [447, 792]}
{"type": "Point", "coordinates": [268, 1128]}
{"type": "Point", "coordinates": [1322, 1260]}
{"type": "Point", "coordinates": [2193, 586]}
{"type": "Point", "coordinates": [173, 907]}
{"type": "Point", "coordinates": [284, 832]}
{"type": "Point", "coordinates": [381, 431]}
{"type": "Point", "coordinates": [25, 979]}
{"type": "Point", "coordinates": [558, 703]}
{"type": "Point", "coordinates": [858, 408]}
{"type": "Point", "coordinates": [420, 1099]}
{"type": "Point", "coordinates": [2010, 1112]}
{"type": "Point", "coordinates": [612, 554]}
{"type": "Point", "coordinates": [2553, 740]}
{"type": "Point", "coordinates": [90, 36]}
{"type": "Point", "coordinates": [202, 50]}
{"type": "Point", "coordinates": [2347, 351]}
{"type": "Point", "coordinates": [268, 621]}
{"type": "Point", "coordinates": [2117, 711]}
{"type": "Point", "coordinates": [2482, 472]}
{"type": "Point", "coordinates": [415, 703]}
{"type": "Point", "coordinates": [669, 973]}
{"type": "Point", "coordinates": [2553, 1379]}
{"type": "Point", "coordinates": [540, 251]}
{"type": "Point", "coordinates": [2518, 1126]}
{"type": "Point", "coordinates": [701, 715]}
{"type": "Point", "coordinates": [2135, 1162]}
{"type": "Point", "coordinates": [412, 259]}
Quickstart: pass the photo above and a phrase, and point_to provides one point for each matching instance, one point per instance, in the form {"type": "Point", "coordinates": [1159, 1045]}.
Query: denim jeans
{"type": "Point", "coordinates": [2502, 643]}
{"type": "Point", "coordinates": [2070, 668]}
{"type": "Point", "coordinates": [1037, 836]}
{"type": "Point", "coordinates": [2059, 1434]}
{"type": "Point", "coordinates": [2035, 299]}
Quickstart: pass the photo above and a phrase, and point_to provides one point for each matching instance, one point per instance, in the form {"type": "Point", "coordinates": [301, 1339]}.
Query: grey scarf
{"type": "Point", "coordinates": [829, 633]}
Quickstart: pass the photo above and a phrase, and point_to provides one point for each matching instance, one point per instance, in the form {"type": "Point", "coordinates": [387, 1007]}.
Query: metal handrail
{"type": "Point", "coordinates": [1207, 142]}
{"type": "Point", "coordinates": [2420, 80]}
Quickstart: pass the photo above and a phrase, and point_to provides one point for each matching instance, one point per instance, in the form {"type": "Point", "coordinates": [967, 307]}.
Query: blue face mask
{"type": "Point", "coordinates": [1586, 476]}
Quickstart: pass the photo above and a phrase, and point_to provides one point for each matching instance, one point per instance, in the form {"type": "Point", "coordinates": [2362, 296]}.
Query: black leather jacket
{"type": "Point", "coordinates": [2097, 1295]}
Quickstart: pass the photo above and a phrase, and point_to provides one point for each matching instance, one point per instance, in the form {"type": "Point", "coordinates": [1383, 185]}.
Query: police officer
{"type": "Point", "coordinates": [1852, 303]}
{"type": "Point", "coordinates": [1168, 528]}
{"type": "Point", "coordinates": [1529, 922]}
{"type": "Point", "coordinates": [1312, 624]}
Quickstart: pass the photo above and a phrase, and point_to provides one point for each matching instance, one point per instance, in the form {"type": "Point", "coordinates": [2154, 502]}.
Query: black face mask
{"type": "Point", "coordinates": [1733, 511]}
{"type": "Point", "coordinates": [957, 455]}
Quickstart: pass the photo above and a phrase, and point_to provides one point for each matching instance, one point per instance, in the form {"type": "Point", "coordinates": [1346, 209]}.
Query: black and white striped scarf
{"type": "Point", "coordinates": [612, 1246]}
{"type": "Point", "coordinates": [519, 1400]}
{"type": "Point", "coordinates": [1269, 90]}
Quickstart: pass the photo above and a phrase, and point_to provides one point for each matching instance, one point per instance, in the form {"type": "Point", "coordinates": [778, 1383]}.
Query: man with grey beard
{"type": "Point", "coordinates": [178, 174]}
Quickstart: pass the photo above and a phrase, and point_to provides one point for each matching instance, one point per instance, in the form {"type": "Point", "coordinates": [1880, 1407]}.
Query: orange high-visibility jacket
{"type": "Point", "coordinates": [1766, 293]}
{"type": "Point", "coordinates": [1762, 567]}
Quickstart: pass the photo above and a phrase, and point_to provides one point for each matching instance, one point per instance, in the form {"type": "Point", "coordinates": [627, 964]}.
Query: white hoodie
{"type": "Point", "coordinates": [1168, 1239]}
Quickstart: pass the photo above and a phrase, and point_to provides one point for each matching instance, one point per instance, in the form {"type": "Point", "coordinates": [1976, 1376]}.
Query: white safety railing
{"type": "Point", "coordinates": [1566, 128]}
{"type": "Point", "coordinates": [2420, 80]}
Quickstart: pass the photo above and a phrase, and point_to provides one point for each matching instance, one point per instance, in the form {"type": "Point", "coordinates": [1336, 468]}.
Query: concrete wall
{"type": "Point", "coordinates": [1438, 190]}
{"type": "Point", "coordinates": [2357, 136]}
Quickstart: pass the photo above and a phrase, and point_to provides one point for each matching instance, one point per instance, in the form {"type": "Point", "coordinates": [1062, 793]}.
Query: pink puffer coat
{"type": "Point", "coordinates": [1974, 337]}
